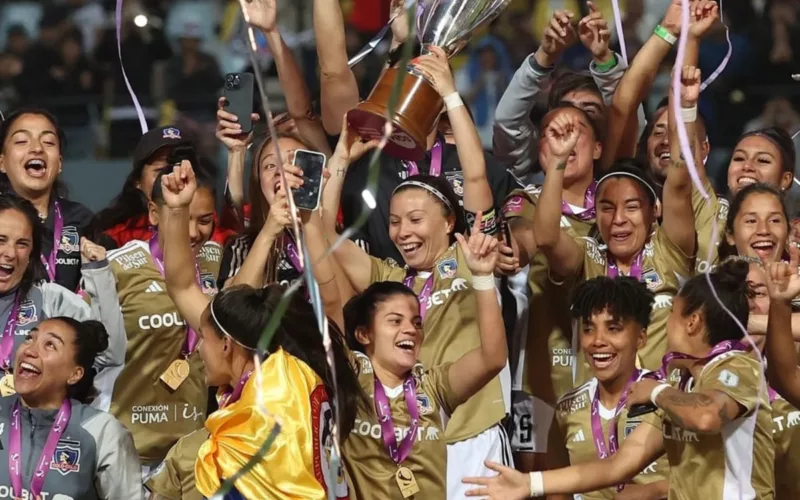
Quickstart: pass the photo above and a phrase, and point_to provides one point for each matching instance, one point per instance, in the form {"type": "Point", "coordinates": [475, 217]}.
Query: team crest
{"type": "Point", "coordinates": [171, 133]}
{"type": "Point", "coordinates": [67, 457]}
{"type": "Point", "coordinates": [208, 283]}
{"type": "Point", "coordinates": [513, 205]}
{"type": "Point", "coordinates": [457, 181]}
{"type": "Point", "coordinates": [630, 425]}
{"type": "Point", "coordinates": [447, 268]}
{"type": "Point", "coordinates": [322, 434]}
{"type": "Point", "coordinates": [652, 279]}
{"type": "Point", "coordinates": [27, 313]}
{"type": "Point", "coordinates": [424, 404]}
{"type": "Point", "coordinates": [70, 240]}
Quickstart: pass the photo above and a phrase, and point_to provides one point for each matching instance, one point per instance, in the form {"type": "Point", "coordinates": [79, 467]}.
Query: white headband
{"type": "Point", "coordinates": [432, 190]}
{"type": "Point", "coordinates": [631, 175]}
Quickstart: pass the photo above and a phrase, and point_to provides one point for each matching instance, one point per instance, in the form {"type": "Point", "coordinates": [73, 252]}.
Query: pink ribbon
{"type": "Point", "coordinates": [620, 35]}
{"type": "Point", "coordinates": [139, 112]}
{"type": "Point", "coordinates": [725, 60]}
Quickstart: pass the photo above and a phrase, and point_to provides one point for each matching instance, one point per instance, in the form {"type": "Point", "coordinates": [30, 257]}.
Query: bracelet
{"type": "Point", "coordinates": [664, 34]}
{"type": "Point", "coordinates": [537, 484]}
{"type": "Point", "coordinates": [483, 282]}
{"type": "Point", "coordinates": [453, 101]}
{"type": "Point", "coordinates": [689, 115]}
{"type": "Point", "coordinates": [606, 66]}
{"type": "Point", "coordinates": [659, 388]}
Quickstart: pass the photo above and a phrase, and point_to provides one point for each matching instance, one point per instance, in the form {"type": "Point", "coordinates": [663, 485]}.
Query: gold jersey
{"type": "Point", "coordinates": [370, 468]}
{"type": "Point", "coordinates": [707, 215]}
{"type": "Point", "coordinates": [548, 347]}
{"type": "Point", "coordinates": [451, 330]}
{"type": "Point", "coordinates": [157, 416]}
{"type": "Point", "coordinates": [572, 433]}
{"type": "Point", "coordinates": [786, 433]}
{"type": "Point", "coordinates": [738, 462]}
{"type": "Point", "coordinates": [174, 478]}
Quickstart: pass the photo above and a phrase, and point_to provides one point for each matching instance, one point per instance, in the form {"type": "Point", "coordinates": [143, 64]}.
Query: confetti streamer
{"type": "Point", "coordinates": [139, 112]}
{"type": "Point", "coordinates": [724, 63]}
{"type": "Point", "coordinates": [618, 23]}
{"type": "Point", "coordinates": [372, 44]}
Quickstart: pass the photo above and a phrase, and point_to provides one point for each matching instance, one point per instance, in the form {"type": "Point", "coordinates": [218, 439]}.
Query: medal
{"type": "Point", "coordinates": [7, 385]}
{"type": "Point", "coordinates": [176, 373]}
{"type": "Point", "coordinates": [407, 482]}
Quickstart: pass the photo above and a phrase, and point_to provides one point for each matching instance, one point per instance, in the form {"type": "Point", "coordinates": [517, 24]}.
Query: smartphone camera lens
{"type": "Point", "coordinates": [230, 78]}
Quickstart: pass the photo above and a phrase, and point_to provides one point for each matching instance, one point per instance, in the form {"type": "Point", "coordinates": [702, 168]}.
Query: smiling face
{"type": "Point", "coordinates": [31, 155]}
{"type": "Point", "coordinates": [268, 176]}
{"type": "Point", "coordinates": [201, 218]}
{"type": "Point", "coordinates": [757, 159]}
{"type": "Point", "coordinates": [658, 154]}
{"type": "Point", "coordinates": [394, 338]}
{"type": "Point", "coordinates": [591, 102]}
{"type": "Point", "coordinates": [16, 242]}
{"type": "Point", "coordinates": [610, 345]}
{"type": "Point", "coordinates": [624, 216]}
{"type": "Point", "coordinates": [419, 228]}
{"type": "Point", "coordinates": [45, 365]}
{"type": "Point", "coordinates": [760, 228]}
{"type": "Point", "coordinates": [580, 164]}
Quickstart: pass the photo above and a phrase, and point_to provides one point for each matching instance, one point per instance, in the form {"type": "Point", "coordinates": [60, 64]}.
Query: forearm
{"type": "Point", "coordinates": [757, 325]}
{"type": "Point", "coordinates": [179, 264]}
{"type": "Point", "coordinates": [477, 193]}
{"type": "Point", "coordinates": [494, 350]}
{"type": "Point", "coordinates": [587, 476]}
{"type": "Point", "coordinates": [254, 266]}
{"type": "Point", "coordinates": [547, 219]}
{"type": "Point", "coordinates": [322, 268]}
{"type": "Point", "coordinates": [298, 97]}
{"type": "Point", "coordinates": [782, 369]}
{"type": "Point", "coordinates": [235, 179]}
{"type": "Point", "coordinates": [332, 195]}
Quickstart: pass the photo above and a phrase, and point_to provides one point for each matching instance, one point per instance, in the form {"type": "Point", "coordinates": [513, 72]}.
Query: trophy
{"type": "Point", "coordinates": [447, 24]}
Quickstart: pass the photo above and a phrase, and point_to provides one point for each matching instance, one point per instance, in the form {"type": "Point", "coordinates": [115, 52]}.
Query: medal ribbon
{"type": "Point", "coordinates": [384, 412]}
{"type": "Point", "coordinates": [588, 203]}
{"type": "Point", "coordinates": [158, 257]}
{"type": "Point", "coordinates": [43, 464]}
{"type": "Point", "coordinates": [718, 350]}
{"type": "Point", "coordinates": [424, 294]}
{"type": "Point", "coordinates": [636, 267]}
{"type": "Point", "coordinates": [436, 161]}
{"type": "Point", "coordinates": [232, 395]}
{"type": "Point", "coordinates": [7, 345]}
{"type": "Point", "coordinates": [293, 255]}
{"type": "Point", "coordinates": [58, 231]}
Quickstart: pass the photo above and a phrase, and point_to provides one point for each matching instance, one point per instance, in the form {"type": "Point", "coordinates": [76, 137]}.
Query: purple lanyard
{"type": "Point", "coordinates": [773, 394]}
{"type": "Point", "coordinates": [636, 267]}
{"type": "Point", "coordinates": [7, 345]}
{"type": "Point", "coordinates": [436, 162]}
{"type": "Point", "coordinates": [43, 464]}
{"type": "Point", "coordinates": [597, 424]}
{"type": "Point", "coordinates": [588, 203]}
{"type": "Point", "coordinates": [293, 255]}
{"type": "Point", "coordinates": [424, 294]}
{"type": "Point", "coordinates": [719, 349]}
{"type": "Point", "coordinates": [232, 395]}
{"type": "Point", "coordinates": [158, 257]}
{"type": "Point", "coordinates": [384, 412]}
{"type": "Point", "coordinates": [58, 230]}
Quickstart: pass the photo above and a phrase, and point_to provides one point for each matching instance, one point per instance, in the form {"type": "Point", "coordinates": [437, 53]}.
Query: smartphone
{"type": "Point", "coordinates": [238, 93]}
{"type": "Point", "coordinates": [642, 409]}
{"type": "Point", "coordinates": [312, 163]}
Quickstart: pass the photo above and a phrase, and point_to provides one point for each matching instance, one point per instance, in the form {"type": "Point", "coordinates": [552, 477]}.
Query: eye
{"type": "Point", "coordinates": [205, 221]}
{"type": "Point", "coordinates": [737, 158]}
{"type": "Point", "coordinates": [416, 220]}
{"type": "Point", "coordinates": [50, 345]}
{"type": "Point", "coordinates": [28, 339]}
{"type": "Point", "coordinates": [765, 160]}
{"type": "Point", "coordinates": [749, 220]}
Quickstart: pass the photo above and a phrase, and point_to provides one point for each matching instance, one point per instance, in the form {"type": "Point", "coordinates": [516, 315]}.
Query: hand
{"type": "Point", "coordinates": [509, 484]}
{"type": "Point", "coordinates": [640, 391]}
{"type": "Point", "coordinates": [351, 147]}
{"type": "Point", "coordinates": [279, 214]}
{"type": "Point", "coordinates": [672, 18]}
{"type": "Point", "coordinates": [558, 37]}
{"type": "Point", "coordinates": [400, 23]}
{"type": "Point", "coordinates": [594, 34]}
{"type": "Point", "coordinates": [562, 136]}
{"type": "Point", "coordinates": [480, 251]}
{"type": "Point", "coordinates": [507, 261]}
{"type": "Point", "coordinates": [690, 86]}
{"type": "Point", "coordinates": [91, 252]}
{"type": "Point", "coordinates": [783, 280]}
{"type": "Point", "coordinates": [436, 69]}
{"type": "Point", "coordinates": [703, 13]}
{"type": "Point", "coordinates": [229, 131]}
{"type": "Point", "coordinates": [262, 13]}
{"type": "Point", "coordinates": [179, 186]}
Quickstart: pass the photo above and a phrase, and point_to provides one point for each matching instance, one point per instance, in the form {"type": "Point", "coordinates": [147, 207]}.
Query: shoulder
{"type": "Point", "coordinates": [74, 212]}
{"type": "Point", "coordinates": [577, 399]}
{"type": "Point", "coordinates": [102, 426]}
{"type": "Point", "coordinates": [130, 249]}
{"type": "Point", "coordinates": [730, 368]}
{"type": "Point", "coordinates": [360, 363]}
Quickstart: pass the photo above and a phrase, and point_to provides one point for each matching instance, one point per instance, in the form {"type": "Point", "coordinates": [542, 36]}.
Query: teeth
{"type": "Point", "coordinates": [29, 367]}
{"type": "Point", "coordinates": [762, 244]}
{"type": "Point", "coordinates": [747, 180]}
{"type": "Point", "coordinates": [6, 267]}
{"type": "Point", "coordinates": [410, 247]}
{"type": "Point", "coordinates": [406, 343]}
{"type": "Point", "coordinates": [602, 356]}
{"type": "Point", "coordinates": [664, 156]}
{"type": "Point", "coordinates": [35, 163]}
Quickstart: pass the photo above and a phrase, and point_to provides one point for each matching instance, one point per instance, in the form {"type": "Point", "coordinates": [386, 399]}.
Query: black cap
{"type": "Point", "coordinates": [156, 139]}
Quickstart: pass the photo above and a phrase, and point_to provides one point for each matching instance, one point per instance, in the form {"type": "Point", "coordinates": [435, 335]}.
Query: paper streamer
{"type": "Point", "coordinates": [620, 35]}
{"type": "Point", "coordinates": [708, 81]}
{"type": "Point", "coordinates": [372, 44]}
{"type": "Point", "coordinates": [139, 112]}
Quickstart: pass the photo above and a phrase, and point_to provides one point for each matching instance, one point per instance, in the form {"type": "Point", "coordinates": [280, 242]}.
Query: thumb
{"type": "Point", "coordinates": [794, 257]}
{"type": "Point", "coordinates": [463, 242]}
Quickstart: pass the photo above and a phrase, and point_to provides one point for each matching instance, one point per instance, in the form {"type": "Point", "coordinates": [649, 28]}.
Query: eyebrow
{"type": "Point", "coordinates": [739, 150]}
{"type": "Point", "coordinates": [26, 131]}
{"type": "Point", "coordinates": [770, 214]}
{"type": "Point", "coordinates": [56, 336]}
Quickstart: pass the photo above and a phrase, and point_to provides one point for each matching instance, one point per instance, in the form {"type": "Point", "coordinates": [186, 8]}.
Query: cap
{"type": "Point", "coordinates": [156, 139]}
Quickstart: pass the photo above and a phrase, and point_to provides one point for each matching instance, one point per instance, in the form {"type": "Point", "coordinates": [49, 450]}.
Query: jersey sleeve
{"type": "Point", "coordinates": [118, 473]}
{"type": "Point", "coordinates": [437, 382]}
{"type": "Point", "coordinates": [670, 255]}
{"type": "Point", "coordinates": [383, 270]}
{"type": "Point", "coordinates": [100, 285]}
{"type": "Point", "coordinates": [165, 482]}
{"type": "Point", "coordinates": [654, 418]}
{"type": "Point", "coordinates": [736, 376]}
{"type": "Point", "coordinates": [557, 454]}
{"type": "Point", "coordinates": [519, 204]}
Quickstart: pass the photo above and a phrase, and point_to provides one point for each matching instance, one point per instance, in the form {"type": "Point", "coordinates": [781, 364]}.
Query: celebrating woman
{"type": "Point", "coordinates": [715, 414]}
{"type": "Point", "coordinates": [57, 446]}
{"type": "Point", "coordinates": [30, 163]}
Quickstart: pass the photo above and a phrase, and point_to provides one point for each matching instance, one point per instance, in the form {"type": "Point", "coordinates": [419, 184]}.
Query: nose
{"type": "Point", "coordinates": [403, 230]}
{"type": "Point", "coordinates": [194, 232]}
{"type": "Point", "coordinates": [748, 166]}
{"type": "Point", "coordinates": [762, 227]}
{"type": "Point", "coordinates": [619, 216]}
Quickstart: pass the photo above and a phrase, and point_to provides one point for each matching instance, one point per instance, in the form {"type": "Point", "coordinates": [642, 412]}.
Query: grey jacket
{"type": "Point", "coordinates": [95, 455]}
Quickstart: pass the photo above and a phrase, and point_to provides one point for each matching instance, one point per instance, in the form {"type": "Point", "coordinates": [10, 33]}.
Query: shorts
{"type": "Point", "coordinates": [532, 418]}
{"type": "Point", "coordinates": [466, 458]}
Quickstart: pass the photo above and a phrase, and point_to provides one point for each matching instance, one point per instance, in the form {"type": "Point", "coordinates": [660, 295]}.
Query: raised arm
{"type": "Point", "coordinates": [229, 132]}
{"type": "Point", "coordinates": [324, 267]}
{"type": "Point", "coordinates": [179, 262]}
{"type": "Point", "coordinates": [564, 254]}
{"type": "Point", "coordinates": [678, 213]}
{"type": "Point", "coordinates": [782, 370]}
{"type": "Point", "coordinates": [476, 368]}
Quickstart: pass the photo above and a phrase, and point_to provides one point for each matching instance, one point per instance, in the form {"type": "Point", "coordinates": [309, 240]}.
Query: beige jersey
{"type": "Point", "coordinates": [573, 434]}
{"type": "Point", "coordinates": [451, 330]}
{"type": "Point", "coordinates": [156, 416]}
{"type": "Point", "coordinates": [664, 268]}
{"type": "Point", "coordinates": [786, 433]}
{"type": "Point", "coordinates": [174, 478]}
{"type": "Point", "coordinates": [548, 346]}
{"type": "Point", "coordinates": [370, 468]}
{"type": "Point", "coordinates": [707, 214]}
{"type": "Point", "coordinates": [738, 462]}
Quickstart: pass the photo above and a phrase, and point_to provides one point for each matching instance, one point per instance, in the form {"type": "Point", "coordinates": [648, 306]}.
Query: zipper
{"type": "Point", "coordinates": [31, 461]}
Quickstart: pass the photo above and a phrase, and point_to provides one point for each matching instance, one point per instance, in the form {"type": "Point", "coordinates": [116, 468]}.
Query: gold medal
{"type": "Point", "coordinates": [407, 482]}
{"type": "Point", "coordinates": [176, 373]}
{"type": "Point", "coordinates": [7, 385]}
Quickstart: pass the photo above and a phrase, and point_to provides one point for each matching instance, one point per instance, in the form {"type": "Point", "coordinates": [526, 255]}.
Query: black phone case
{"type": "Point", "coordinates": [639, 410]}
{"type": "Point", "coordinates": [238, 93]}
{"type": "Point", "coordinates": [307, 196]}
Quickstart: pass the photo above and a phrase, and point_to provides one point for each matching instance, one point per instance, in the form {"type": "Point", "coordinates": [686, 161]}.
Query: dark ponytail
{"type": "Point", "coordinates": [91, 339]}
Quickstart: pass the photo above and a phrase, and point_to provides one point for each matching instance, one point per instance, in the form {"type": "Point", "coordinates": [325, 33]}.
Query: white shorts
{"type": "Point", "coordinates": [466, 458]}
{"type": "Point", "coordinates": [532, 419]}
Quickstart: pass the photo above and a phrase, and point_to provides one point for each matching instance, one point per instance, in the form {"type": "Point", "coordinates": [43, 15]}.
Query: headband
{"type": "Point", "coordinates": [222, 328]}
{"type": "Point", "coordinates": [432, 190]}
{"type": "Point", "coordinates": [632, 176]}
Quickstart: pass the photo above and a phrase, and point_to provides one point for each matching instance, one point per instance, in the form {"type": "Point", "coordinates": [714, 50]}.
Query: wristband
{"type": "Point", "coordinates": [482, 283]}
{"type": "Point", "coordinates": [453, 101]}
{"type": "Point", "coordinates": [606, 66]}
{"type": "Point", "coordinates": [689, 115]}
{"type": "Point", "coordinates": [659, 388]}
{"type": "Point", "coordinates": [537, 484]}
{"type": "Point", "coordinates": [664, 34]}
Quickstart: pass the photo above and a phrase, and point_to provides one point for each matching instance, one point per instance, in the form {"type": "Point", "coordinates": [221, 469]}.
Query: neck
{"type": "Point", "coordinates": [241, 365]}
{"type": "Point", "coordinates": [385, 376]}
{"type": "Point", "coordinates": [575, 193]}
{"type": "Point", "coordinates": [40, 201]}
{"type": "Point", "coordinates": [610, 391]}
{"type": "Point", "coordinates": [47, 401]}
{"type": "Point", "coordinates": [431, 139]}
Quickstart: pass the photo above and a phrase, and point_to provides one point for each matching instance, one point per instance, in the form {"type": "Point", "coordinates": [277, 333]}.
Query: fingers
{"type": "Point", "coordinates": [476, 226]}
{"type": "Point", "coordinates": [592, 7]}
{"type": "Point", "coordinates": [478, 492]}
{"type": "Point", "coordinates": [462, 242]}
{"type": "Point", "coordinates": [794, 257]}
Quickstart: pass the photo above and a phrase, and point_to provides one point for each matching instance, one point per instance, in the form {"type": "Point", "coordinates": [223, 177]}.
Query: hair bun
{"type": "Point", "coordinates": [97, 336]}
{"type": "Point", "coordinates": [733, 274]}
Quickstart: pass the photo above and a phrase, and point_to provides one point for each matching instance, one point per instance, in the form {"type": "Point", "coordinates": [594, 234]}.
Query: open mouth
{"type": "Point", "coordinates": [36, 167]}
{"type": "Point", "coordinates": [745, 180]}
{"type": "Point", "coordinates": [663, 158]}
{"type": "Point", "coordinates": [620, 237]}
{"type": "Point", "coordinates": [602, 360]}
{"type": "Point", "coordinates": [27, 371]}
{"type": "Point", "coordinates": [6, 270]}
{"type": "Point", "coordinates": [410, 249]}
{"type": "Point", "coordinates": [572, 156]}
{"type": "Point", "coordinates": [406, 346]}
{"type": "Point", "coordinates": [763, 248]}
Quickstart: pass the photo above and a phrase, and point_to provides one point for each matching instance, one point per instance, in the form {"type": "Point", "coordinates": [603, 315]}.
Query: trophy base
{"type": "Point", "coordinates": [418, 107]}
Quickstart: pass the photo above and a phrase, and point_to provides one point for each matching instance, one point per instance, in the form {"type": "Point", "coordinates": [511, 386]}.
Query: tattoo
{"type": "Point", "coordinates": [561, 165]}
{"type": "Point", "coordinates": [340, 172]}
{"type": "Point", "coordinates": [676, 402]}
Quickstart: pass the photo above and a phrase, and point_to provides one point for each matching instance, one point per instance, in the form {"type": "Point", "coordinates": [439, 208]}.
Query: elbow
{"type": "Point", "coordinates": [708, 421]}
{"type": "Point", "coordinates": [335, 73]}
{"type": "Point", "coordinates": [544, 240]}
